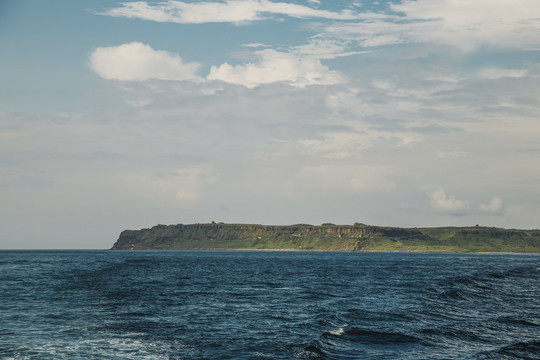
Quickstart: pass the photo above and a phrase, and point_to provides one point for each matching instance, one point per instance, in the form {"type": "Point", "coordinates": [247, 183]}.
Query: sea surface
{"type": "Point", "coordinates": [268, 305]}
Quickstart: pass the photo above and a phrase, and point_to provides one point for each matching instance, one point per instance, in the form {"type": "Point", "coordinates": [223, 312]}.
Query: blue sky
{"type": "Point", "coordinates": [118, 115]}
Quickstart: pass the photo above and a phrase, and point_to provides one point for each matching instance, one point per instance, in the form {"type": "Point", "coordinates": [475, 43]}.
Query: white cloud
{"type": "Point", "coordinates": [235, 11]}
{"type": "Point", "coordinates": [275, 66]}
{"type": "Point", "coordinates": [138, 62]}
{"type": "Point", "coordinates": [443, 203]}
{"type": "Point", "coordinates": [255, 45]}
{"type": "Point", "coordinates": [494, 207]}
{"type": "Point", "coordinates": [466, 25]}
{"type": "Point", "coordinates": [447, 204]}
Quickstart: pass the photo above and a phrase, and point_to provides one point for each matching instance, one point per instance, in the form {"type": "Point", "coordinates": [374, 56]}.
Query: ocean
{"type": "Point", "coordinates": [268, 305]}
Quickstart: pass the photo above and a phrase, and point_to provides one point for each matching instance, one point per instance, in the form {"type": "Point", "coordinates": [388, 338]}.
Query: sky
{"type": "Point", "coordinates": [124, 115]}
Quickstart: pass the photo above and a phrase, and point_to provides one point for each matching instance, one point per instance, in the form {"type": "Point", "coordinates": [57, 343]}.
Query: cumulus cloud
{"type": "Point", "coordinates": [138, 62]}
{"type": "Point", "coordinates": [463, 24]}
{"type": "Point", "coordinates": [274, 66]}
{"type": "Point", "coordinates": [441, 202]}
{"type": "Point", "coordinates": [447, 204]}
{"type": "Point", "coordinates": [493, 207]}
{"type": "Point", "coordinates": [235, 11]}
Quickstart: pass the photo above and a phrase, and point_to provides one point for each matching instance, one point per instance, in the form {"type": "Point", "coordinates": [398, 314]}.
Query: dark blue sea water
{"type": "Point", "coordinates": [268, 305]}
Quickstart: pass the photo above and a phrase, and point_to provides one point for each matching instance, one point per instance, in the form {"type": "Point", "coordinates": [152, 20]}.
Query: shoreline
{"type": "Point", "coordinates": [337, 251]}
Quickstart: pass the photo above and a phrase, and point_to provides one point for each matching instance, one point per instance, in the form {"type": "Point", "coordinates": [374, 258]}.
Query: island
{"type": "Point", "coordinates": [329, 237]}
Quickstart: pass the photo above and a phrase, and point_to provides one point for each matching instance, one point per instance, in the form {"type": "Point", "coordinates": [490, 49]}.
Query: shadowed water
{"type": "Point", "coordinates": [268, 305]}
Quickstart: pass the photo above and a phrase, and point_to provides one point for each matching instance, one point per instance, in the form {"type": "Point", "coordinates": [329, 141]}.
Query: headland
{"type": "Point", "coordinates": [329, 237]}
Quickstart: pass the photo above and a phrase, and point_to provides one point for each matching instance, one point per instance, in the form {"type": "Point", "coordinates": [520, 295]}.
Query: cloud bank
{"type": "Point", "coordinates": [466, 25]}
{"type": "Point", "coordinates": [234, 11]}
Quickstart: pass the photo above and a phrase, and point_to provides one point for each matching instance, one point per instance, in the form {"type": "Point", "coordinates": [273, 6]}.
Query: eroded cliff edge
{"type": "Point", "coordinates": [330, 237]}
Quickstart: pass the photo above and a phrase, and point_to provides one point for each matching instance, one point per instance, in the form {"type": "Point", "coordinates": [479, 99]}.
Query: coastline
{"type": "Point", "coordinates": [336, 251]}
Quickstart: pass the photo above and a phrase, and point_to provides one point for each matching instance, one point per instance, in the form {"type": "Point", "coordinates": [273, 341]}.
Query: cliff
{"type": "Point", "coordinates": [328, 237]}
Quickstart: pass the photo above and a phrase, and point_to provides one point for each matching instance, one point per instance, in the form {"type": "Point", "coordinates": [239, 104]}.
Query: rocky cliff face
{"type": "Point", "coordinates": [253, 236]}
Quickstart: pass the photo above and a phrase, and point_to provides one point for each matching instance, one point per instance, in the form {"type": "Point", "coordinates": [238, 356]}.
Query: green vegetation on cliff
{"type": "Point", "coordinates": [328, 237]}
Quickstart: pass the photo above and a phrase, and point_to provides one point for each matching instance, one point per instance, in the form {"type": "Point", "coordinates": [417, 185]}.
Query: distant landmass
{"type": "Point", "coordinates": [329, 237]}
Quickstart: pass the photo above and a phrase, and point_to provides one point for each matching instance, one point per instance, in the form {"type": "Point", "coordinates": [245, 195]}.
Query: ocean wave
{"type": "Point", "coordinates": [367, 336]}
{"type": "Point", "coordinates": [519, 350]}
{"type": "Point", "coordinates": [102, 347]}
{"type": "Point", "coordinates": [312, 352]}
{"type": "Point", "coordinates": [457, 333]}
{"type": "Point", "coordinates": [518, 321]}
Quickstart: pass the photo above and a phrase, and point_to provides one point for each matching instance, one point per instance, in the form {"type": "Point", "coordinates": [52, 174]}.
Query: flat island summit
{"type": "Point", "coordinates": [328, 237]}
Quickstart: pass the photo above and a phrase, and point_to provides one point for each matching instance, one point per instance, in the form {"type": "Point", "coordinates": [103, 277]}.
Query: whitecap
{"type": "Point", "coordinates": [339, 331]}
